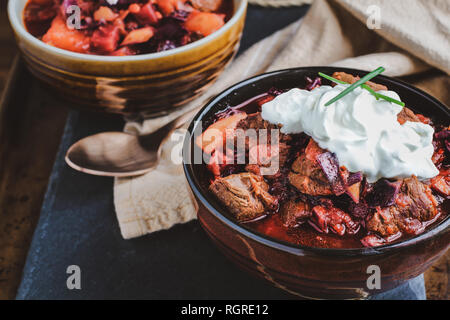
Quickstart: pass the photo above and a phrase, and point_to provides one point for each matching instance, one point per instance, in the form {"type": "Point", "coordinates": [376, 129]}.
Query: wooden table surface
{"type": "Point", "coordinates": [29, 139]}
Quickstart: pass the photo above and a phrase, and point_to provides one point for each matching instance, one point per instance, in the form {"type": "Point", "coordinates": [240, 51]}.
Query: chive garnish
{"type": "Point", "coordinates": [323, 75]}
{"type": "Point", "coordinates": [352, 87]}
{"type": "Point", "coordinates": [365, 86]}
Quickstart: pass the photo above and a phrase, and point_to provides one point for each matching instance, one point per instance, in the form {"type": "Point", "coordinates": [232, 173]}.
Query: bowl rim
{"type": "Point", "coordinates": [18, 26]}
{"type": "Point", "coordinates": [284, 245]}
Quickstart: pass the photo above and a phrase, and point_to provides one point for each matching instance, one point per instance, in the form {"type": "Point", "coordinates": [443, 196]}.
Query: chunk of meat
{"type": "Point", "coordinates": [407, 115]}
{"type": "Point", "coordinates": [59, 35]}
{"type": "Point", "coordinates": [294, 213]}
{"type": "Point", "coordinates": [254, 121]}
{"type": "Point", "coordinates": [105, 39]}
{"type": "Point", "coordinates": [414, 205]}
{"type": "Point", "coordinates": [419, 200]}
{"type": "Point", "coordinates": [333, 218]}
{"type": "Point", "coordinates": [307, 175]}
{"type": "Point", "coordinates": [245, 195]}
{"type": "Point", "coordinates": [266, 159]}
{"type": "Point", "coordinates": [206, 5]}
{"type": "Point", "coordinates": [383, 221]}
{"type": "Point", "coordinates": [204, 23]}
{"type": "Point", "coordinates": [214, 136]}
{"type": "Point", "coordinates": [352, 79]}
{"type": "Point", "coordinates": [441, 184]}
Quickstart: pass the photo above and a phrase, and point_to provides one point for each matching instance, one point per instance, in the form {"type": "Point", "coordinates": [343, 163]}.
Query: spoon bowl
{"type": "Point", "coordinates": [120, 154]}
{"type": "Point", "coordinates": [112, 154]}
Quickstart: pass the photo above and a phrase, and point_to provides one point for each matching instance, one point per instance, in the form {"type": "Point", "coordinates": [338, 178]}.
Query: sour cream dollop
{"type": "Point", "coordinates": [362, 131]}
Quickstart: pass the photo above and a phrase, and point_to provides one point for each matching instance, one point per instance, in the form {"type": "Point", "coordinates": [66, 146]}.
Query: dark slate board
{"type": "Point", "coordinates": [78, 226]}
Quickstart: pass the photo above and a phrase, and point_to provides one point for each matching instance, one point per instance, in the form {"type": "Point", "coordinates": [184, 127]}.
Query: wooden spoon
{"type": "Point", "coordinates": [120, 154]}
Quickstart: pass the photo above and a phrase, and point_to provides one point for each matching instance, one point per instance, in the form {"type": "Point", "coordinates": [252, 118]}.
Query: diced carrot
{"type": "Point", "coordinates": [59, 35]}
{"type": "Point", "coordinates": [422, 118]}
{"type": "Point", "coordinates": [204, 23]}
{"type": "Point", "coordinates": [138, 36]}
{"type": "Point", "coordinates": [105, 13]}
{"type": "Point", "coordinates": [134, 8]}
{"type": "Point", "coordinates": [212, 137]}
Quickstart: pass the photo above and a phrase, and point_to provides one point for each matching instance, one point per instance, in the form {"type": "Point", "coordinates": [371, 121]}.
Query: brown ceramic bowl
{"type": "Point", "coordinates": [147, 84]}
{"type": "Point", "coordinates": [306, 271]}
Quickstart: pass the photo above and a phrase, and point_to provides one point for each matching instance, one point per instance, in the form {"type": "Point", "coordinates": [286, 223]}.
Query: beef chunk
{"type": "Point", "coordinates": [244, 194]}
{"type": "Point", "coordinates": [414, 205]}
{"type": "Point", "coordinates": [293, 213]}
{"type": "Point", "coordinates": [407, 115]}
{"type": "Point", "coordinates": [416, 200]}
{"type": "Point", "coordinates": [254, 121]}
{"type": "Point", "coordinates": [260, 152]}
{"type": "Point", "coordinates": [333, 218]}
{"type": "Point", "coordinates": [307, 174]}
{"type": "Point", "coordinates": [270, 157]}
{"type": "Point", "coordinates": [384, 221]}
{"type": "Point", "coordinates": [404, 115]}
{"type": "Point", "coordinates": [352, 79]}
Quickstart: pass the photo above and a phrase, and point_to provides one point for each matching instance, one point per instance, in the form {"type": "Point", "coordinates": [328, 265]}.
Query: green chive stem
{"type": "Point", "coordinates": [365, 86]}
{"type": "Point", "coordinates": [352, 87]}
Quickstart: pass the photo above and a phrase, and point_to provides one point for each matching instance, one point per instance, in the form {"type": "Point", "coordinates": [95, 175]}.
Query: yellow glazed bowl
{"type": "Point", "coordinates": [147, 85]}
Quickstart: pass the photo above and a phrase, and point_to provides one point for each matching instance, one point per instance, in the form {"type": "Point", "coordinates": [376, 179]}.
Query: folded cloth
{"type": "Point", "coordinates": [408, 39]}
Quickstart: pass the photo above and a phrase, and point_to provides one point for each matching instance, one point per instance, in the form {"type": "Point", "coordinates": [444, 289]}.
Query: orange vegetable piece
{"type": "Point", "coordinates": [138, 36]}
{"type": "Point", "coordinates": [204, 23]}
{"type": "Point", "coordinates": [169, 6]}
{"type": "Point", "coordinates": [105, 13]}
{"type": "Point", "coordinates": [215, 135]}
{"type": "Point", "coordinates": [206, 5]}
{"type": "Point", "coordinates": [59, 35]}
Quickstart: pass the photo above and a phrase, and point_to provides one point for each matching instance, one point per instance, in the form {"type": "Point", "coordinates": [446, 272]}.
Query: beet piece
{"type": "Point", "coordinates": [311, 84]}
{"type": "Point", "coordinates": [442, 135]}
{"type": "Point", "coordinates": [274, 91]}
{"type": "Point", "coordinates": [383, 194]}
{"type": "Point", "coordinates": [170, 29]}
{"type": "Point", "coordinates": [359, 210]}
{"type": "Point", "coordinates": [330, 166]}
{"type": "Point", "coordinates": [354, 178]}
